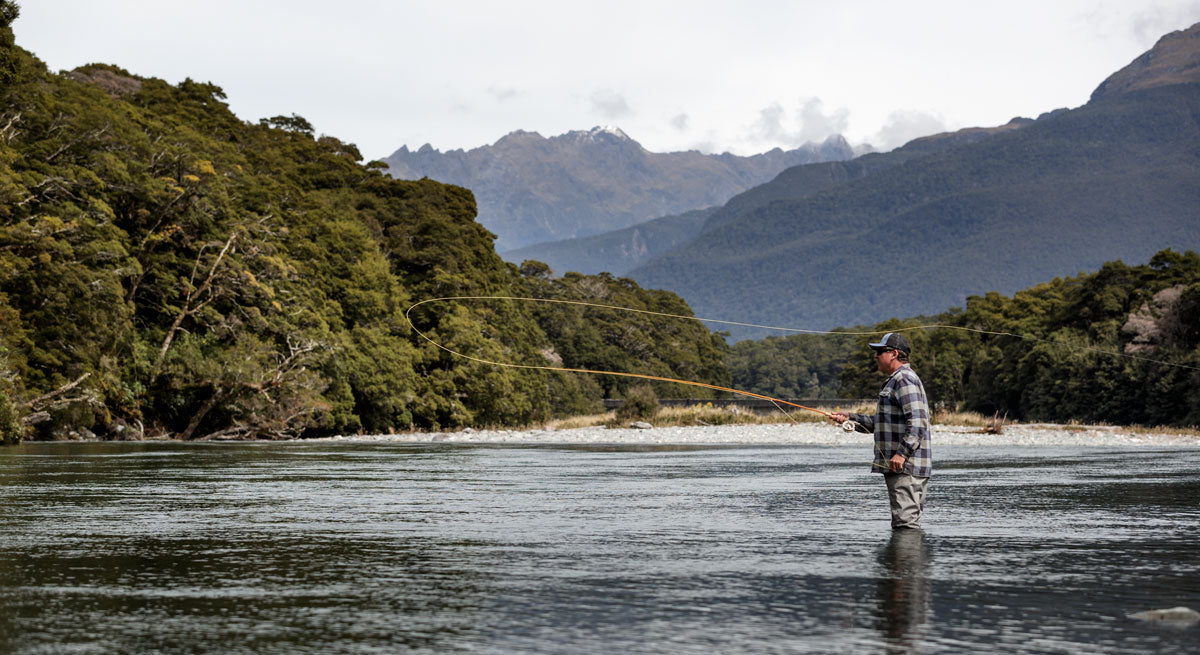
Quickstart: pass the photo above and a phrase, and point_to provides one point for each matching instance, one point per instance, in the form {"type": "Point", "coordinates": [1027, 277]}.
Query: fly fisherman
{"type": "Point", "coordinates": [901, 427]}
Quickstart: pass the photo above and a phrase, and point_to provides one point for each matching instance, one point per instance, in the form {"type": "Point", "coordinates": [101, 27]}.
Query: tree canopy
{"type": "Point", "coordinates": [1121, 345]}
{"type": "Point", "coordinates": [169, 269]}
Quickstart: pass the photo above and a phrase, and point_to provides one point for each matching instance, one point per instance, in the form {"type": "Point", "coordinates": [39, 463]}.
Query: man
{"type": "Point", "coordinates": [901, 427]}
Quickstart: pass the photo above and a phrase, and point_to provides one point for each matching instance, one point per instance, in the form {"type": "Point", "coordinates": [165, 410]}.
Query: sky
{"type": "Point", "coordinates": [740, 76]}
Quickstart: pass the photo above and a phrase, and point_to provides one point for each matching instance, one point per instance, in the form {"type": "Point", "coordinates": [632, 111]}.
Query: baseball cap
{"type": "Point", "coordinates": [893, 340]}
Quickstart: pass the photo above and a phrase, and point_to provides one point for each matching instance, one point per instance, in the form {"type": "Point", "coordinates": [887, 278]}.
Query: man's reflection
{"type": "Point", "coordinates": [903, 589]}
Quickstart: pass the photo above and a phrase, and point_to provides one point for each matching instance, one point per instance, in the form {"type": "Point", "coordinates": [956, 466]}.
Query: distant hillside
{"type": "Point", "coordinates": [532, 189]}
{"type": "Point", "coordinates": [1118, 178]}
{"type": "Point", "coordinates": [618, 251]}
{"type": "Point", "coordinates": [805, 180]}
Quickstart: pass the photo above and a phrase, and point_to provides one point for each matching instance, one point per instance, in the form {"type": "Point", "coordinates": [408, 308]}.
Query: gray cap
{"type": "Point", "coordinates": [893, 340]}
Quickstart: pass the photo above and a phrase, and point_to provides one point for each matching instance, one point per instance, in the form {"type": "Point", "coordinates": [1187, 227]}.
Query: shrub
{"type": "Point", "coordinates": [10, 429]}
{"type": "Point", "coordinates": [640, 403]}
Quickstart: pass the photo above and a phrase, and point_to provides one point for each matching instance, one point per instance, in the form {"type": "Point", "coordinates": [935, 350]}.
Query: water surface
{"type": "Point", "coordinates": [380, 548]}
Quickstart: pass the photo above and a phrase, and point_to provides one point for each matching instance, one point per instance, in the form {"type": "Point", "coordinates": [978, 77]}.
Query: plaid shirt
{"type": "Point", "coordinates": [901, 424]}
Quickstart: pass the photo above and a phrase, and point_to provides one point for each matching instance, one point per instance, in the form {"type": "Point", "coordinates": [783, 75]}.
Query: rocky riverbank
{"type": "Point", "coordinates": [803, 433]}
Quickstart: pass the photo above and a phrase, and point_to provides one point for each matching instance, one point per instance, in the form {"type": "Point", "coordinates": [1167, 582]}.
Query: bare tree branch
{"type": "Point", "coordinates": [193, 294]}
{"type": "Point", "coordinates": [36, 402]}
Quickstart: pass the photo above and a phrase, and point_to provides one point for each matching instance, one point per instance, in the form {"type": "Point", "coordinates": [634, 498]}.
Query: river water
{"type": "Point", "coordinates": [383, 547]}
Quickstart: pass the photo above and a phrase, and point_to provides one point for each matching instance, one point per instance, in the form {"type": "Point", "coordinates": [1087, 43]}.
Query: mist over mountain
{"type": "Point", "coordinates": [919, 229]}
{"type": "Point", "coordinates": [533, 189]}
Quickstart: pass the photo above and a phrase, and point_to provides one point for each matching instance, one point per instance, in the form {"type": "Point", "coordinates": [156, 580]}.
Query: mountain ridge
{"type": "Point", "coordinates": [1118, 178]}
{"type": "Point", "coordinates": [531, 189]}
{"type": "Point", "coordinates": [620, 251]}
{"type": "Point", "coordinates": [1172, 60]}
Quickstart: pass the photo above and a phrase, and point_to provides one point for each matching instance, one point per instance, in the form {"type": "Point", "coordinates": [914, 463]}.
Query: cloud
{"type": "Point", "coordinates": [708, 146]}
{"type": "Point", "coordinates": [905, 125]}
{"type": "Point", "coordinates": [1155, 21]}
{"type": "Point", "coordinates": [610, 104]}
{"type": "Point", "coordinates": [680, 122]}
{"type": "Point", "coordinates": [808, 123]}
{"type": "Point", "coordinates": [500, 94]}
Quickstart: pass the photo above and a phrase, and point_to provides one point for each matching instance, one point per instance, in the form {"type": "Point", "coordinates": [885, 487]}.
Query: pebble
{"type": "Point", "coordinates": [803, 433]}
{"type": "Point", "coordinates": [1177, 615]}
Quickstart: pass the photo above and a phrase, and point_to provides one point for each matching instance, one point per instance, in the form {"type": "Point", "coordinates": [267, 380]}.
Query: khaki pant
{"type": "Point", "coordinates": [906, 494]}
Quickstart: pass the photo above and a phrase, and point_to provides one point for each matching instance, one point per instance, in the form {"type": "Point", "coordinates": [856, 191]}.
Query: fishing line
{"type": "Point", "coordinates": [935, 326]}
{"type": "Point", "coordinates": [848, 425]}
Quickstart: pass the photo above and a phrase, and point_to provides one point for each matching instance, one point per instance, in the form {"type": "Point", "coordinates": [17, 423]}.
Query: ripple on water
{"type": "Point", "coordinates": [356, 548]}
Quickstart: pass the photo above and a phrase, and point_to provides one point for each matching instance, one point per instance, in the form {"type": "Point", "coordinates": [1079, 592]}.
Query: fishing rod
{"type": "Point", "coordinates": [849, 333]}
{"type": "Point", "coordinates": [847, 425]}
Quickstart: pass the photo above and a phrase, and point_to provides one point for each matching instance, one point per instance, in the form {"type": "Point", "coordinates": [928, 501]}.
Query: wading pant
{"type": "Point", "coordinates": [906, 493]}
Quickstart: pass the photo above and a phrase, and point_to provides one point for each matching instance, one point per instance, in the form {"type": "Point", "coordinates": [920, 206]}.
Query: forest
{"type": "Point", "coordinates": [1120, 345]}
{"type": "Point", "coordinates": [169, 270]}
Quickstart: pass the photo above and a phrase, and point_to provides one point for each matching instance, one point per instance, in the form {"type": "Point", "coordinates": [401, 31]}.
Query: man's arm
{"type": "Point", "coordinates": [863, 422]}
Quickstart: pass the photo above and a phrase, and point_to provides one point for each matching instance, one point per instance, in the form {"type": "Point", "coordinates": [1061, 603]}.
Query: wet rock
{"type": "Point", "coordinates": [641, 425]}
{"type": "Point", "coordinates": [1175, 615]}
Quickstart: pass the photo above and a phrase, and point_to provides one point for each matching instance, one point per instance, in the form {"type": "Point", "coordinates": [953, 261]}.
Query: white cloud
{"type": "Point", "coordinates": [1154, 21]}
{"type": "Point", "coordinates": [904, 125]}
{"type": "Point", "coordinates": [610, 104]}
{"type": "Point", "coordinates": [680, 122]}
{"type": "Point", "coordinates": [806, 124]}
{"type": "Point", "coordinates": [502, 94]}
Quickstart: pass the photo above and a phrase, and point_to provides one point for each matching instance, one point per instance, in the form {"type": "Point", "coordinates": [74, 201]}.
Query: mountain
{"type": "Point", "coordinates": [1172, 60]}
{"type": "Point", "coordinates": [532, 189]}
{"type": "Point", "coordinates": [917, 230]}
{"type": "Point", "coordinates": [618, 251]}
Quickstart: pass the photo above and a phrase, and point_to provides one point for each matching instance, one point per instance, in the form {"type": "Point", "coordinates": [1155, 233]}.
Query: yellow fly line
{"type": "Point", "coordinates": [631, 310]}
{"type": "Point", "coordinates": [642, 376]}
{"type": "Point", "coordinates": [848, 426]}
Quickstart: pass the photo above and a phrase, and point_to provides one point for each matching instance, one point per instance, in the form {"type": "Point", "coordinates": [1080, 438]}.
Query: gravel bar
{"type": "Point", "coordinates": [803, 433]}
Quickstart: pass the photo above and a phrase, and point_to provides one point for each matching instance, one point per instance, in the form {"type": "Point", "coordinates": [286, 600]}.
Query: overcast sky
{"type": "Point", "coordinates": [742, 76]}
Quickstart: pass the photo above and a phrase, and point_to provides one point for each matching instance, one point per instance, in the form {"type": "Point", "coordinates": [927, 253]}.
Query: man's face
{"type": "Point", "coordinates": [885, 358]}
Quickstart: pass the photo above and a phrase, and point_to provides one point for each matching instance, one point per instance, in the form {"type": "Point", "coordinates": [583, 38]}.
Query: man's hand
{"type": "Point", "coordinates": [838, 418]}
{"type": "Point", "coordinates": [896, 463]}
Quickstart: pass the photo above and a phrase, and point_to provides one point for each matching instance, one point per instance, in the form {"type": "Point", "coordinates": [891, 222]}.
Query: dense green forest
{"type": "Point", "coordinates": [1121, 345]}
{"type": "Point", "coordinates": [169, 269]}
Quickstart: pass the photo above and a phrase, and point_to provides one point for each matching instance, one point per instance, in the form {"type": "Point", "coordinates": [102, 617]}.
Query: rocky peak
{"type": "Point", "coordinates": [530, 188]}
{"type": "Point", "coordinates": [606, 134]}
{"type": "Point", "coordinates": [517, 137]}
{"type": "Point", "coordinates": [1175, 59]}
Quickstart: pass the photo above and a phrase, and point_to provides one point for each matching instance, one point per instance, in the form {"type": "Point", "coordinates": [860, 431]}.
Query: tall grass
{"type": "Point", "coordinates": [701, 414]}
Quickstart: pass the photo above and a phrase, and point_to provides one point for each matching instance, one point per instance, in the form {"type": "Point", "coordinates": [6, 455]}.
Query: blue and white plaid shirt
{"type": "Point", "coordinates": [901, 424]}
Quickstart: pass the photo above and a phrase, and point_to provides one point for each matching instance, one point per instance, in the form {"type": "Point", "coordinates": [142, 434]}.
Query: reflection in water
{"type": "Point", "coordinates": [904, 589]}
{"type": "Point", "coordinates": [317, 548]}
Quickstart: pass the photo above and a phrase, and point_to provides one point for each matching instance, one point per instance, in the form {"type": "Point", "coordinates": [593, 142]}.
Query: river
{"type": "Point", "coordinates": [345, 547]}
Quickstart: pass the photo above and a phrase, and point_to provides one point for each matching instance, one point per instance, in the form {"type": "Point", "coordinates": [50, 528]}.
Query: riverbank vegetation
{"type": "Point", "coordinates": [702, 414]}
{"type": "Point", "coordinates": [1118, 346]}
